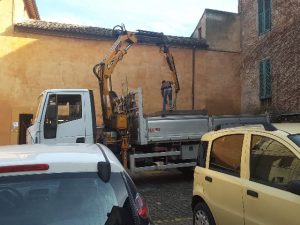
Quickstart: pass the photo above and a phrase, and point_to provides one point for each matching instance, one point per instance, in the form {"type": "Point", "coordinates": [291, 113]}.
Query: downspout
{"type": "Point", "coordinates": [193, 77]}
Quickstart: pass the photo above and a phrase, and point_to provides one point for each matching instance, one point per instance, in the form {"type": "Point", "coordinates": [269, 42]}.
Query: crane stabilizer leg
{"type": "Point", "coordinates": [124, 151]}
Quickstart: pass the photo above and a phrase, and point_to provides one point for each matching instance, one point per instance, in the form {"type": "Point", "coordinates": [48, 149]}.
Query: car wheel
{"type": "Point", "coordinates": [202, 215]}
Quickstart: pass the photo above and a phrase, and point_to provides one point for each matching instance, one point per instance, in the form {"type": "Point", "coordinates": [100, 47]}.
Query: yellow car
{"type": "Point", "coordinates": [248, 175]}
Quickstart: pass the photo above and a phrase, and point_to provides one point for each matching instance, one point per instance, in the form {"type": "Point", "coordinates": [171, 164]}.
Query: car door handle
{"type": "Point", "coordinates": [252, 193]}
{"type": "Point", "coordinates": [80, 140]}
{"type": "Point", "coordinates": [209, 179]}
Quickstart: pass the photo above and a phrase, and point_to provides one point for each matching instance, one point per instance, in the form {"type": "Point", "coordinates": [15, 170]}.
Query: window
{"type": "Point", "coordinates": [264, 16]}
{"type": "Point", "coordinates": [200, 32]}
{"type": "Point", "coordinates": [68, 108]}
{"type": "Point", "coordinates": [272, 163]}
{"type": "Point", "coordinates": [226, 154]}
{"type": "Point", "coordinates": [265, 81]}
{"type": "Point", "coordinates": [295, 138]}
{"type": "Point", "coordinates": [61, 109]}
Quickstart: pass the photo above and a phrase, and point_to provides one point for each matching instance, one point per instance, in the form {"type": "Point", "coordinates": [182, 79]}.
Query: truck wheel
{"type": "Point", "coordinates": [202, 215]}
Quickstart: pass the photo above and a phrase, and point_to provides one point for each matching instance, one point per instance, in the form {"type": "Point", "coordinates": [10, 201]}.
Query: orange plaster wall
{"type": "Point", "coordinates": [31, 63]}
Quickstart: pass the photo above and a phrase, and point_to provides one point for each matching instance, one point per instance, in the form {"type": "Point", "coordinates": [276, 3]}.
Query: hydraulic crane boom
{"type": "Point", "coordinates": [105, 68]}
{"type": "Point", "coordinates": [116, 121]}
{"type": "Point", "coordinates": [169, 58]}
{"type": "Point", "coordinates": [171, 64]}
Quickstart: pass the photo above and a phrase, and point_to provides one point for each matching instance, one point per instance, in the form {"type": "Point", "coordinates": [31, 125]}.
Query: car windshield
{"type": "Point", "coordinates": [63, 199]}
{"type": "Point", "coordinates": [295, 138]}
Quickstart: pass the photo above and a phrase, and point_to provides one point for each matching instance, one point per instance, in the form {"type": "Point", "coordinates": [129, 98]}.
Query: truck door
{"type": "Point", "coordinates": [63, 119]}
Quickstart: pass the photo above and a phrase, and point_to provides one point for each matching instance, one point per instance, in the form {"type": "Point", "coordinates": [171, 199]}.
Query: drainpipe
{"type": "Point", "coordinates": [193, 78]}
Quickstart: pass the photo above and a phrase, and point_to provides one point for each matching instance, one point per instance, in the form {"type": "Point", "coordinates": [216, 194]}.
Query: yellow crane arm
{"type": "Point", "coordinates": [114, 120]}
{"type": "Point", "coordinates": [161, 41]}
{"type": "Point", "coordinates": [105, 68]}
{"type": "Point", "coordinates": [115, 54]}
{"type": "Point", "coordinates": [171, 64]}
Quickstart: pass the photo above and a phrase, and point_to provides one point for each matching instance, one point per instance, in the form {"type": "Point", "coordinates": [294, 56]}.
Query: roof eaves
{"type": "Point", "coordinates": [63, 30]}
{"type": "Point", "coordinates": [88, 32]}
{"type": "Point", "coordinates": [215, 11]}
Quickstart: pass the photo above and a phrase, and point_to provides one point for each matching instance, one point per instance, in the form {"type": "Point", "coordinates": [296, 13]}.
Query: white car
{"type": "Point", "coordinates": [70, 184]}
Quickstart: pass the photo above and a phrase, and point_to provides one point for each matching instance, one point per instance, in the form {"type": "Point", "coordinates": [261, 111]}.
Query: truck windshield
{"type": "Point", "coordinates": [63, 199]}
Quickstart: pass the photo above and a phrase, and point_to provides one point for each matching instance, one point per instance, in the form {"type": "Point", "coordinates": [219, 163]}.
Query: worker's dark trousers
{"type": "Point", "coordinates": [167, 94]}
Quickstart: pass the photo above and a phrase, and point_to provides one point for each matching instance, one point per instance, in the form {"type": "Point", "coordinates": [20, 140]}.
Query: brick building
{"type": "Point", "coordinates": [270, 55]}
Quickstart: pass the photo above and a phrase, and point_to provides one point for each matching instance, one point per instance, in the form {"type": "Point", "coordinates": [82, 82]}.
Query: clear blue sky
{"type": "Point", "coordinates": [173, 17]}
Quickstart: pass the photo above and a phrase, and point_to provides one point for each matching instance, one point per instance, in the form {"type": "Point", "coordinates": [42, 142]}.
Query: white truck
{"type": "Point", "coordinates": [150, 142]}
{"type": "Point", "coordinates": [155, 142]}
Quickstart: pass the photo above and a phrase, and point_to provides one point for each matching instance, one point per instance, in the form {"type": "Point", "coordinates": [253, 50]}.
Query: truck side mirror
{"type": "Point", "coordinates": [50, 123]}
{"type": "Point", "coordinates": [294, 186]}
{"type": "Point", "coordinates": [51, 113]}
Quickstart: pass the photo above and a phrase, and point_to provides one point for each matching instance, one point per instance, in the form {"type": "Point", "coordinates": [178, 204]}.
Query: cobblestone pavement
{"type": "Point", "coordinates": [168, 194]}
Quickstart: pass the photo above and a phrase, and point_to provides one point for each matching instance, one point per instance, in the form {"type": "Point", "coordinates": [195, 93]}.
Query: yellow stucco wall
{"type": "Point", "coordinates": [30, 63]}
{"type": "Point", "coordinates": [217, 83]}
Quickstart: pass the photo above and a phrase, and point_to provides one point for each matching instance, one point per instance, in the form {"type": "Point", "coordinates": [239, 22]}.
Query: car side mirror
{"type": "Point", "coordinates": [294, 187]}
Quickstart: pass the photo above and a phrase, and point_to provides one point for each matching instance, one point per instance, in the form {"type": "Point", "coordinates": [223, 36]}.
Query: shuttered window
{"type": "Point", "coordinates": [264, 16]}
{"type": "Point", "coordinates": [265, 84]}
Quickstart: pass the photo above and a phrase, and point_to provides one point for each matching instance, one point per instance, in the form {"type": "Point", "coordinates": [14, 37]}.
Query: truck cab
{"type": "Point", "coordinates": [64, 116]}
